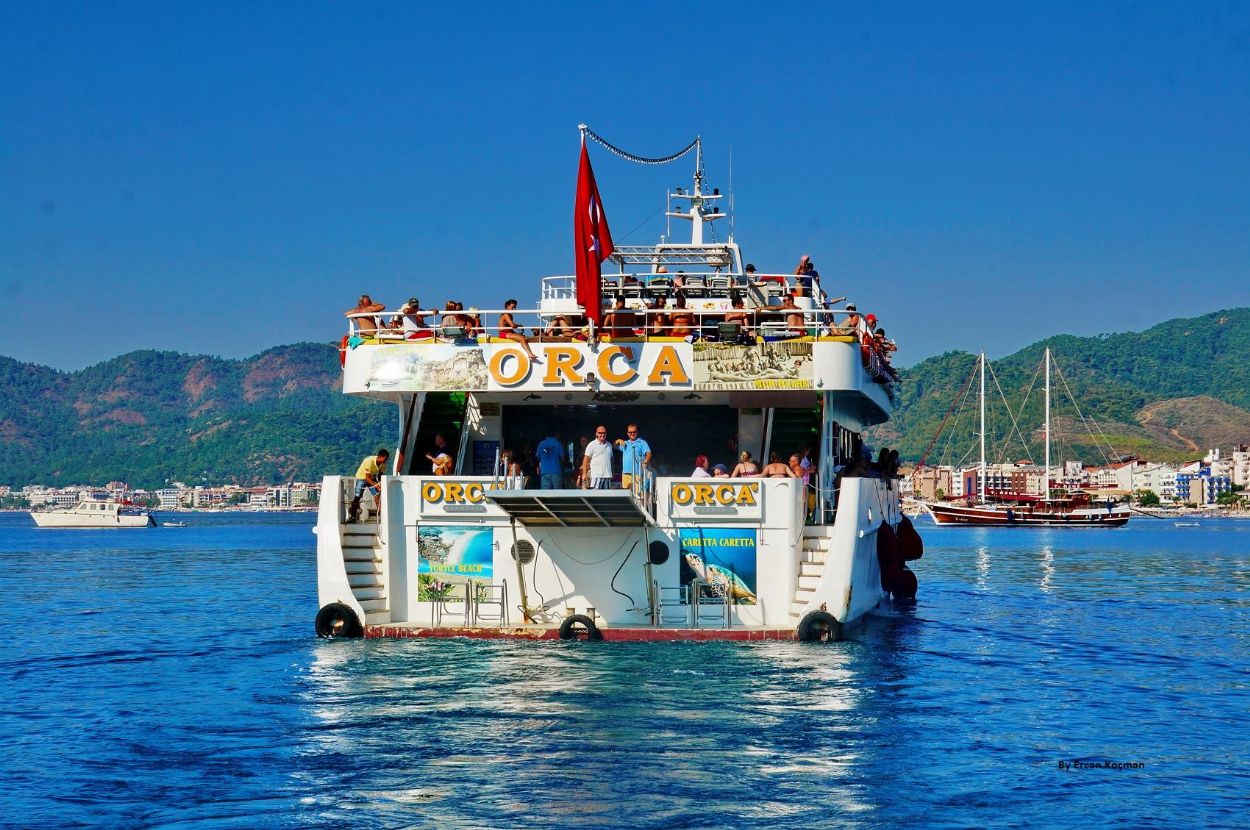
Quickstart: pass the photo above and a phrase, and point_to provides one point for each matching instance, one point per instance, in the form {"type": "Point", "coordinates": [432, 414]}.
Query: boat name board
{"type": "Point", "coordinates": [458, 498]}
{"type": "Point", "coordinates": [707, 500]}
{"type": "Point", "coordinates": [681, 365]}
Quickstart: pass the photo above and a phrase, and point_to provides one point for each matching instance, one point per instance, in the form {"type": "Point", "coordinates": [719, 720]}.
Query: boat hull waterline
{"type": "Point", "coordinates": [999, 517]}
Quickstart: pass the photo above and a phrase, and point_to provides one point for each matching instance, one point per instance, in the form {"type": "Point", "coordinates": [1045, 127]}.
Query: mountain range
{"type": "Point", "coordinates": [147, 417]}
{"type": "Point", "coordinates": [1169, 393]}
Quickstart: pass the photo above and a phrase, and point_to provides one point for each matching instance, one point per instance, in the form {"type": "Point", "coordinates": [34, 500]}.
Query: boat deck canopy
{"type": "Point", "coordinates": [571, 508]}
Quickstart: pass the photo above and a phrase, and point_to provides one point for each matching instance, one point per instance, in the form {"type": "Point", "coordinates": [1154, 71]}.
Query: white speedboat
{"type": "Point", "coordinates": [707, 358]}
{"type": "Point", "coordinates": [94, 513]}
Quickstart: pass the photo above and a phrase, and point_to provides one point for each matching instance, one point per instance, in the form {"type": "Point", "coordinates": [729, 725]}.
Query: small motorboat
{"type": "Point", "coordinates": [1185, 524]}
{"type": "Point", "coordinates": [173, 524]}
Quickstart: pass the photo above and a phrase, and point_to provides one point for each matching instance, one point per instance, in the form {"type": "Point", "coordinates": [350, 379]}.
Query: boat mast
{"type": "Point", "coordinates": [1046, 479]}
{"type": "Point", "coordinates": [983, 427]}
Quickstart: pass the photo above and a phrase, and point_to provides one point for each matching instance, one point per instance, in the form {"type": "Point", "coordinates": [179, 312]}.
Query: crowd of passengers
{"type": "Point", "coordinates": [654, 320]}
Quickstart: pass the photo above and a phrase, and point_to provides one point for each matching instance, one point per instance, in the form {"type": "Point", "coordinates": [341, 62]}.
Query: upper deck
{"type": "Point", "coordinates": [691, 318]}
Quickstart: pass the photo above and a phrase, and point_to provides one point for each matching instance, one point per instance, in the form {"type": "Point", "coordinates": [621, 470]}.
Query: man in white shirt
{"type": "Point", "coordinates": [597, 462]}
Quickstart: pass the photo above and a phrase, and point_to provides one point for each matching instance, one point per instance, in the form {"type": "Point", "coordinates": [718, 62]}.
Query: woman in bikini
{"type": "Point", "coordinates": [746, 466]}
{"type": "Point", "coordinates": [509, 330]}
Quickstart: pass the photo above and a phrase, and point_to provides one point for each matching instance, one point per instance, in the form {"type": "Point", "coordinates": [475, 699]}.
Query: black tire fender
{"type": "Point", "coordinates": [574, 624]}
{"type": "Point", "coordinates": [906, 585]}
{"type": "Point", "coordinates": [910, 545]}
{"type": "Point", "coordinates": [818, 627]}
{"type": "Point", "coordinates": [338, 620]}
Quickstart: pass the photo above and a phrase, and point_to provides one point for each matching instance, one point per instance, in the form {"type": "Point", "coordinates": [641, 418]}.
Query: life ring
{"type": "Point", "coordinates": [905, 585]}
{"type": "Point", "coordinates": [343, 352]}
{"type": "Point", "coordinates": [910, 545]}
{"type": "Point", "coordinates": [818, 627]}
{"type": "Point", "coordinates": [338, 620]}
{"type": "Point", "coordinates": [579, 627]}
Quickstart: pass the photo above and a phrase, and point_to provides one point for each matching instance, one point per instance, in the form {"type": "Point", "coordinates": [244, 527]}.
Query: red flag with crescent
{"type": "Point", "coordinates": [592, 242]}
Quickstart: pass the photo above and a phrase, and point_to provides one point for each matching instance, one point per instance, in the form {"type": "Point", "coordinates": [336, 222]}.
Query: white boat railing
{"type": "Point", "coordinates": [536, 325]}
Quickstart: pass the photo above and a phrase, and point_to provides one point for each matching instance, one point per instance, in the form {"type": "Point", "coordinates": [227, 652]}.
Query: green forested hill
{"type": "Point", "coordinates": [148, 417]}
{"type": "Point", "coordinates": [1166, 393]}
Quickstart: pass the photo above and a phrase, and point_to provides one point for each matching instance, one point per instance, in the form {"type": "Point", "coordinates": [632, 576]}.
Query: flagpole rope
{"type": "Point", "coordinates": [630, 156]}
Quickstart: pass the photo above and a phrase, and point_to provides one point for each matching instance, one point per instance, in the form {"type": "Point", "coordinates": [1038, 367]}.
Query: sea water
{"type": "Point", "coordinates": [169, 677]}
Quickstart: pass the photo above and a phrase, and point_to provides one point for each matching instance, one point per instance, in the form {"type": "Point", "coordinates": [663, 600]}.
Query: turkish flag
{"type": "Point", "coordinates": [592, 242]}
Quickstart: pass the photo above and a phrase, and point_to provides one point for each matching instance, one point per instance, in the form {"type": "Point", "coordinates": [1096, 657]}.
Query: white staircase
{"type": "Point", "coordinates": [811, 566]}
{"type": "Point", "coordinates": [362, 559]}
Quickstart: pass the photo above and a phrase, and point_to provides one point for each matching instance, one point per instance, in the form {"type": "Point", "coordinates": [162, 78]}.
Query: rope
{"type": "Point", "coordinates": [958, 400]}
{"type": "Point", "coordinates": [611, 148]}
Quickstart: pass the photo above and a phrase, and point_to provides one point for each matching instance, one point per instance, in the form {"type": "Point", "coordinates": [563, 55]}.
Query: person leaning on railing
{"type": "Point", "coordinates": [364, 325]}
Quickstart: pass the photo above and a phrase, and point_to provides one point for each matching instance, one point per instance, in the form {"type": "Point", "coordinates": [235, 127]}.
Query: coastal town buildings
{"type": "Point", "coordinates": [177, 496]}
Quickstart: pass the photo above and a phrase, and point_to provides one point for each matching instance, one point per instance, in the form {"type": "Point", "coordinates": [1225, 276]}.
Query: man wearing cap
{"type": "Point", "coordinates": [852, 320]}
{"type": "Point", "coordinates": [368, 477]}
{"type": "Point", "coordinates": [413, 321]}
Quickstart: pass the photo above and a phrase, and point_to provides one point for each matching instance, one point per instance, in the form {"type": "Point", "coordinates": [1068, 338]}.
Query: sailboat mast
{"type": "Point", "coordinates": [983, 427]}
{"type": "Point", "coordinates": [1046, 480]}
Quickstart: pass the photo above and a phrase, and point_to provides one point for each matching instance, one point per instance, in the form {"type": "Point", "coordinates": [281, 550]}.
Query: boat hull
{"type": "Point", "coordinates": [994, 516]}
{"type": "Point", "coordinates": [75, 520]}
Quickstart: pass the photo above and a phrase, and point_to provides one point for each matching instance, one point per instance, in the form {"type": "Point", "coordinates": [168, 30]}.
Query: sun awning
{"type": "Point", "coordinates": [571, 508]}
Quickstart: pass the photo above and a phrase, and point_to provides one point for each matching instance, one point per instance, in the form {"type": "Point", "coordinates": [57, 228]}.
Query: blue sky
{"type": "Point", "coordinates": [223, 178]}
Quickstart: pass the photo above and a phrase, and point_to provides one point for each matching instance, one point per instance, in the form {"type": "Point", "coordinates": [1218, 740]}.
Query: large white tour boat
{"type": "Point", "coordinates": [94, 513]}
{"type": "Point", "coordinates": [707, 358]}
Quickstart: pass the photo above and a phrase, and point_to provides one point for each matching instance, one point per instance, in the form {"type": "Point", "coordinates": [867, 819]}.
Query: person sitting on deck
{"type": "Point", "coordinates": [412, 321]}
{"type": "Point", "coordinates": [657, 320]}
{"type": "Point", "coordinates": [775, 469]}
{"type": "Point", "coordinates": [364, 326]}
{"type": "Point", "coordinates": [720, 471]}
{"type": "Point", "coordinates": [681, 321]}
{"type": "Point", "coordinates": [439, 449]}
{"type": "Point", "coordinates": [852, 322]}
{"type": "Point", "coordinates": [794, 315]}
{"type": "Point", "coordinates": [509, 330]}
{"type": "Point", "coordinates": [620, 321]}
{"type": "Point", "coordinates": [557, 329]}
{"type": "Point", "coordinates": [700, 467]}
{"type": "Point", "coordinates": [737, 314]}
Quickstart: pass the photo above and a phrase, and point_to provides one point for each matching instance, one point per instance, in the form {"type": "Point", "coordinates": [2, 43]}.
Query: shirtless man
{"type": "Point", "coordinates": [620, 321]}
{"type": "Point", "coordinates": [509, 330]}
{"type": "Point", "coordinates": [657, 320]}
{"type": "Point", "coordinates": [740, 315]}
{"type": "Point", "coordinates": [853, 321]}
{"type": "Point", "coordinates": [681, 321]}
{"type": "Point", "coordinates": [364, 326]}
{"type": "Point", "coordinates": [794, 314]}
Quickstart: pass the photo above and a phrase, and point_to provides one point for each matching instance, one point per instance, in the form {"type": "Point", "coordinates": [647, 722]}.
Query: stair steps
{"type": "Point", "coordinates": [815, 548]}
{"type": "Point", "coordinates": [362, 560]}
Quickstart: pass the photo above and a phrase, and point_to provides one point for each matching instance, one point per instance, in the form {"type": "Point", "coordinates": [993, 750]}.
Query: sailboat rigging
{"type": "Point", "coordinates": [1074, 510]}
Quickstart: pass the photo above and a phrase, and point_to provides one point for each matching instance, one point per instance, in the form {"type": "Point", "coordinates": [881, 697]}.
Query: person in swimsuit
{"type": "Point", "coordinates": [681, 321]}
{"type": "Point", "coordinates": [509, 330]}
{"type": "Point", "coordinates": [746, 466]}
{"type": "Point", "coordinates": [775, 469]}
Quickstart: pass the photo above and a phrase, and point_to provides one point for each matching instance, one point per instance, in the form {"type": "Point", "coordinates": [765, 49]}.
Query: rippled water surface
{"type": "Point", "coordinates": [170, 678]}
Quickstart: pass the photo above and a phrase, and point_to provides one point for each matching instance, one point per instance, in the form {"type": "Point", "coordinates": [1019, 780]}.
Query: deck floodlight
{"type": "Point", "coordinates": [453, 331]}
{"type": "Point", "coordinates": [728, 331]}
